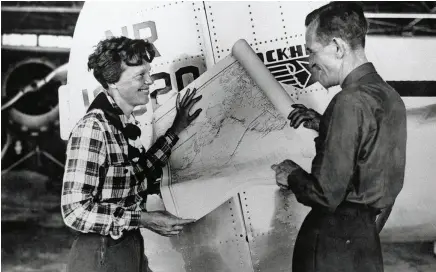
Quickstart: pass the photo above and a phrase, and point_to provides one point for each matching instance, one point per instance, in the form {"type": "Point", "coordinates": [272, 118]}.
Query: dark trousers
{"type": "Point", "coordinates": [92, 252]}
{"type": "Point", "coordinates": [343, 241]}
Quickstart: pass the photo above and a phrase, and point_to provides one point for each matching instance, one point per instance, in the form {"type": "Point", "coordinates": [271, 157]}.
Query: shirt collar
{"type": "Point", "coordinates": [358, 73]}
{"type": "Point", "coordinates": [119, 111]}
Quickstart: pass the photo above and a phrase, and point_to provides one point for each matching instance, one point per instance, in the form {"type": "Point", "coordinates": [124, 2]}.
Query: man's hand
{"type": "Point", "coordinates": [183, 119]}
{"type": "Point", "coordinates": [283, 170]}
{"type": "Point", "coordinates": [163, 223]}
{"type": "Point", "coordinates": [302, 114]}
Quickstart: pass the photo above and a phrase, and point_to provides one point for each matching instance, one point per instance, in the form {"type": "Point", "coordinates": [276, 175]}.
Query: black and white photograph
{"type": "Point", "coordinates": [219, 136]}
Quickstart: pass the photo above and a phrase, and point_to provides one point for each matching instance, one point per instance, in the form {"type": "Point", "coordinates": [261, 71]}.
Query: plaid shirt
{"type": "Point", "coordinates": [94, 151]}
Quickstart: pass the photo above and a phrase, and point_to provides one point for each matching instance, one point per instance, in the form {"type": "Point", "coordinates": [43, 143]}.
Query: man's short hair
{"type": "Point", "coordinates": [344, 20]}
{"type": "Point", "coordinates": [112, 52]}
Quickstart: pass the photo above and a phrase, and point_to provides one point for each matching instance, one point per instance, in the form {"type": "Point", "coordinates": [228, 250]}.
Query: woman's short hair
{"type": "Point", "coordinates": [345, 20]}
{"type": "Point", "coordinates": [110, 53]}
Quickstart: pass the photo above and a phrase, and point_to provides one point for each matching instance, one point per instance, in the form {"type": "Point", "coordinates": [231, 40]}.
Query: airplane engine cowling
{"type": "Point", "coordinates": [35, 111]}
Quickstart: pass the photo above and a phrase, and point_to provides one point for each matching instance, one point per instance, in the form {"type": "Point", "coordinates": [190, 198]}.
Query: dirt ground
{"type": "Point", "coordinates": [34, 238]}
{"type": "Point", "coordinates": [28, 247]}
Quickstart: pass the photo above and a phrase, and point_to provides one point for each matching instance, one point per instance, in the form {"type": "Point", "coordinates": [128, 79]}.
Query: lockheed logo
{"type": "Point", "coordinates": [289, 65]}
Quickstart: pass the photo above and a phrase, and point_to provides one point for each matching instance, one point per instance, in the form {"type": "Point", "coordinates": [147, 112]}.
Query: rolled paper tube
{"type": "Point", "coordinates": [263, 77]}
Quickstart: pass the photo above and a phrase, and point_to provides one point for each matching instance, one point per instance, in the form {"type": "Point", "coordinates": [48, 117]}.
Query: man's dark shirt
{"type": "Point", "coordinates": [361, 147]}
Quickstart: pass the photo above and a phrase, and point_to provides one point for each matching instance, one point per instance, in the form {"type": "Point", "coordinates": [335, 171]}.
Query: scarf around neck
{"type": "Point", "coordinates": [130, 132]}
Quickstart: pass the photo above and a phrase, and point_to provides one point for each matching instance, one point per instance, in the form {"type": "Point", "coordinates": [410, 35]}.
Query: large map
{"type": "Point", "coordinates": [237, 116]}
{"type": "Point", "coordinates": [235, 140]}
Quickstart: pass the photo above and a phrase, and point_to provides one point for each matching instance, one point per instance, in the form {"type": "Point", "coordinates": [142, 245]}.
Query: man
{"type": "Point", "coordinates": [359, 166]}
{"type": "Point", "coordinates": [108, 173]}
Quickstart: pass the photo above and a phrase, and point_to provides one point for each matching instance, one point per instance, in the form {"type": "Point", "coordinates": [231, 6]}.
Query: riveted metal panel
{"type": "Point", "coordinates": [276, 33]}
{"type": "Point", "coordinates": [273, 218]}
{"type": "Point", "coordinates": [293, 22]}
{"type": "Point", "coordinates": [266, 21]}
{"type": "Point", "coordinates": [216, 242]}
{"type": "Point", "coordinates": [288, 61]}
{"type": "Point", "coordinates": [228, 22]}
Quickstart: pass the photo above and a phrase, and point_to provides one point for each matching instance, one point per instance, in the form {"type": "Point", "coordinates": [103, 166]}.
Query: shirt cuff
{"type": "Point", "coordinates": [171, 137]}
{"type": "Point", "coordinates": [126, 219]}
